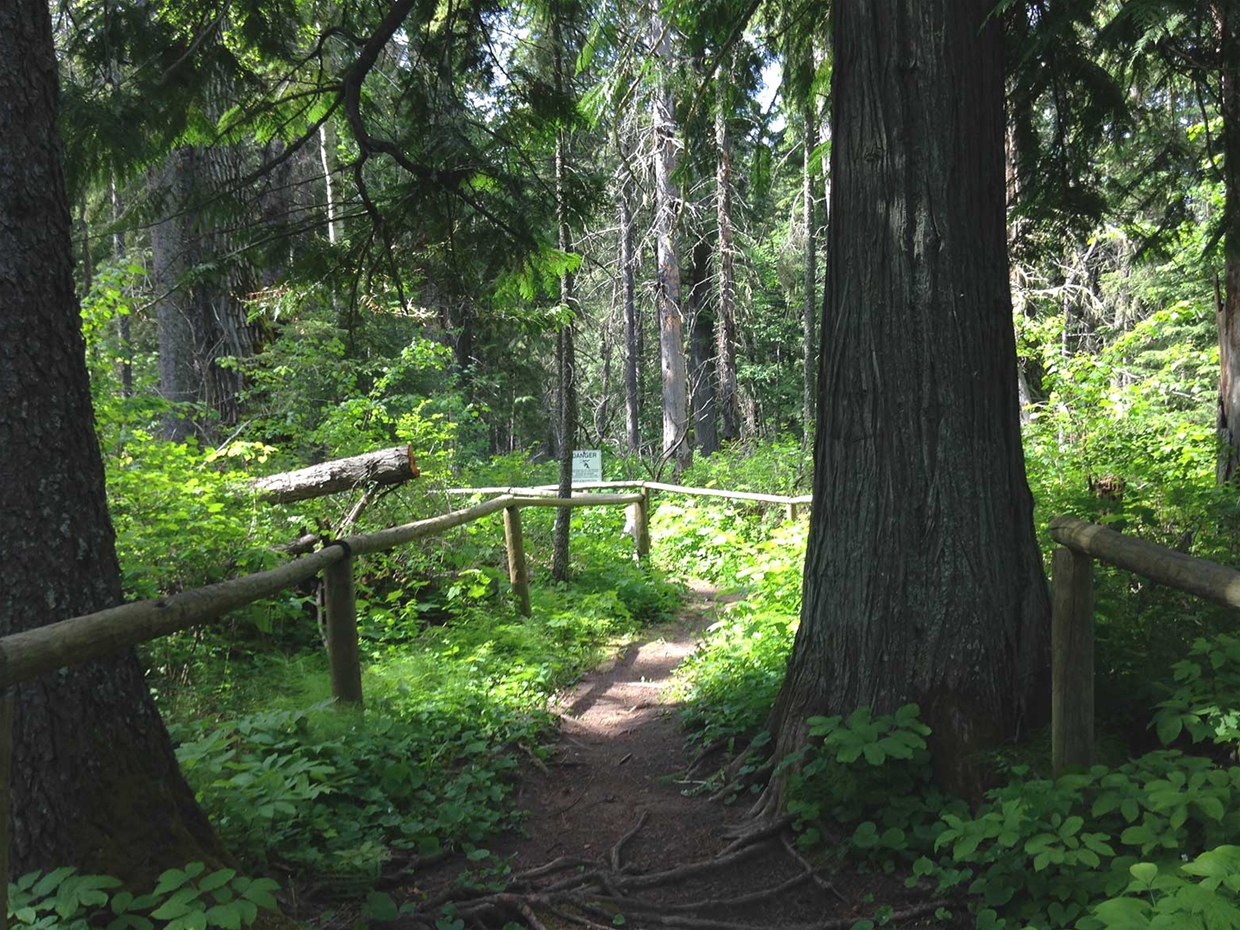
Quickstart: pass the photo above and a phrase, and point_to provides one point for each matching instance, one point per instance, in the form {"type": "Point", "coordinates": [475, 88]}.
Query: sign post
{"type": "Point", "coordinates": [587, 465]}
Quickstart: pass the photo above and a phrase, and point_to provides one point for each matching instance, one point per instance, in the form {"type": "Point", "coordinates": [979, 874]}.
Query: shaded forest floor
{"type": "Point", "coordinates": [612, 830]}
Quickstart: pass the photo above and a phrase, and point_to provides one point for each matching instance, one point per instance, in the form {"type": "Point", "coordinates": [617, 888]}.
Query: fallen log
{"type": "Point", "coordinates": [385, 467]}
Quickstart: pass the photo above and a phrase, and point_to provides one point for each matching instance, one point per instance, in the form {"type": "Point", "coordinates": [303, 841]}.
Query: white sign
{"type": "Point", "coordinates": [587, 465]}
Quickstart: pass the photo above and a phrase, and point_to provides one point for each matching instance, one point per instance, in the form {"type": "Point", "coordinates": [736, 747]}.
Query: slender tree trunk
{"type": "Point", "coordinates": [1227, 19]}
{"type": "Point", "coordinates": [923, 579]}
{"type": "Point", "coordinates": [667, 292]}
{"type": "Point", "coordinates": [95, 782]}
{"type": "Point", "coordinates": [809, 309]}
{"type": "Point", "coordinates": [632, 331]}
{"type": "Point", "coordinates": [701, 349]}
{"type": "Point", "coordinates": [565, 354]}
{"type": "Point", "coordinates": [124, 328]}
{"type": "Point", "coordinates": [725, 326]}
{"type": "Point", "coordinates": [175, 323]}
{"type": "Point", "coordinates": [326, 159]}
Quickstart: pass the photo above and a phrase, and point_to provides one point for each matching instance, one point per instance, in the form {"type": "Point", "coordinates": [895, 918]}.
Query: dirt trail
{"type": "Point", "coordinates": [621, 746]}
{"type": "Point", "coordinates": [616, 768]}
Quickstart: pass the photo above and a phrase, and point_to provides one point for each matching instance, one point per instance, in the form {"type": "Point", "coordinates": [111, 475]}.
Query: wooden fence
{"type": "Point", "coordinates": [1072, 618]}
{"type": "Point", "coordinates": [31, 653]}
{"type": "Point", "coordinates": [26, 655]}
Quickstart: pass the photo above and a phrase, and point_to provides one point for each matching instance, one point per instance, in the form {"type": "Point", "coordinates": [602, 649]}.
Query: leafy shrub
{"type": "Point", "coordinates": [1043, 853]}
{"type": "Point", "coordinates": [183, 899]}
{"type": "Point", "coordinates": [1206, 701]}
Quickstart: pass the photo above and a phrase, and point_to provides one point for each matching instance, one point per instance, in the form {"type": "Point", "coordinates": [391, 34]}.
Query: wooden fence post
{"type": "Point", "coordinates": [641, 525]}
{"type": "Point", "coordinates": [342, 648]}
{"type": "Point", "coordinates": [1072, 660]}
{"type": "Point", "coordinates": [6, 799]}
{"type": "Point", "coordinates": [790, 510]}
{"type": "Point", "coordinates": [518, 574]}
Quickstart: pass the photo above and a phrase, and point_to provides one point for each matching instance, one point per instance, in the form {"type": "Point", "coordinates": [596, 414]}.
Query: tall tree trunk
{"type": "Point", "coordinates": [327, 160]}
{"type": "Point", "coordinates": [809, 309]}
{"type": "Point", "coordinates": [202, 319]}
{"type": "Point", "coordinates": [1227, 19]}
{"type": "Point", "coordinates": [667, 291]}
{"type": "Point", "coordinates": [725, 325]}
{"type": "Point", "coordinates": [565, 354]}
{"type": "Point", "coordinates": [178, 338]}
{"type": "Point", "coordinates": [632, 347]}
{"type": "Point", "coordinates": [923, 579]}
{"type": "Point", "coordinates": [701, 350]}
{"type": "Point", "coordinates": [95, 782]}
{"type": "Point", "coordinates": [124, 328]}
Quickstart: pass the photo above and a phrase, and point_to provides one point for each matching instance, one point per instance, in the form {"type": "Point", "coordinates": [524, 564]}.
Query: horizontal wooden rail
{"type": "Point", "coordinates": [1206, 579]}
{"type": "Point", "coordinates": [551, 490]}
{"type": "Point", "coordinates": [1072, 618]}
{"type": "Point", "coordinates": [26, 655]}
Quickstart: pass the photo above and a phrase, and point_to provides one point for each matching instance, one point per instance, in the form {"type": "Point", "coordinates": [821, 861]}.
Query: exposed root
{"type": "Point", "coordinates": [810, 871]}
{"type": "Point", "coordinates": [687, 871]}
{"type": "Point", "coordinates": [600, 892]}
{"type": "Point", "coordinates": [619, 847]}
{"type": "Point", "coordinates": [737, 781]}
{"type": "Point", "coordinates": [756, 833]}
{"type": "Point", "coordinates": [707, 751]}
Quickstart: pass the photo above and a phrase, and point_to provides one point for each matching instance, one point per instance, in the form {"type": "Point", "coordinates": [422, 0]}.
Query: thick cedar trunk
{"type": "Point", "coordinates": [385, 467]}
{"type": "Point", "coordinates": [725, 325]}
{"type": "Point", "coordinates": [565, 355]}
{"type": "Point", "coordinates": [667, 291]}
{"type": "Point", "coordinates": [1227, 17]}
{"type": "Point", "coordinates": [632, 348]}
{"type": "Point", "coordinates": [95, 783]}
{"type": "Point", "coordinates": [809, 314]}
{"type": "Point", "coordinates": [923, 580]}
{"type": "Point", "coordinates": [701, 347]}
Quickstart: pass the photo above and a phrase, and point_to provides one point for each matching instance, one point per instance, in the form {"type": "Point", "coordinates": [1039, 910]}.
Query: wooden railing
{"type": "Point", "coordinates": [31, 653]}
{"type": "Point", "coordinates": [1072, 618]}
{"type": "Point", "coordinates": [791, 505]}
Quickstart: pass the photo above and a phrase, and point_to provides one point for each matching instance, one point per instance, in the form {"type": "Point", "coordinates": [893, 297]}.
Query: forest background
{"type": "Point", "coordinates": [499, 232]}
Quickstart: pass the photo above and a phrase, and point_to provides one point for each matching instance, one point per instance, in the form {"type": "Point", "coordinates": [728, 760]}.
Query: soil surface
{"type": "Point", "coordinates": [609, 813]}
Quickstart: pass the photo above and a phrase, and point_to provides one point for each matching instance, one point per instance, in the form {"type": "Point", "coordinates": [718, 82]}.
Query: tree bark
{"type": "Point", "coordinates": [667, 291]}
{"type": "Point", "coordinates": [565, 353]}
{"type": "Point", "coordinates": [200, 315]}
{"type": "Point", "coordinates": [701, 348]}
{"type": "Point", "coordinates": [124, 328]}
{"type": "Point", "coordinates": [387, 466]}
{"type": "Point", "coordinates": [725, 325]}
{"type": "Point", "coordinates": [632, 347]}
{"type": "Point", "coordinates": [809, 309]}
{"type": "Point", "coordinates": [1227, 19]}
{"type": "Point", "coordinates": [95, 782]}
{"type": "Point", "coordinates": [923, 579]}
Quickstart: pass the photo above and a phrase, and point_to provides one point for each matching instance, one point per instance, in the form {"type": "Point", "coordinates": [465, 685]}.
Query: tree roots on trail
{"type": "Point", "coordinates": [605, 893]}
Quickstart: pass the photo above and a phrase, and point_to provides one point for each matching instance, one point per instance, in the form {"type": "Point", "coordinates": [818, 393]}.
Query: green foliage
{"type": "Point", "coordinates": [1204, 702]}
{"type": "Point", "coordinates": [183, 899]}
{"type": "Point", "coordinates": [865, 770]}
{"type": "Point", "coordinates": [429, 766]}
{"type": "Point", "coordinates": [730, 682]}
{"type": "Point", "coordinates": [342, 796]}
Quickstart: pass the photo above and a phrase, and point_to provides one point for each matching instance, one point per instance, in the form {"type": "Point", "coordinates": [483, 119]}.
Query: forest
{"type": "Point", "coordinates": [898, 326]}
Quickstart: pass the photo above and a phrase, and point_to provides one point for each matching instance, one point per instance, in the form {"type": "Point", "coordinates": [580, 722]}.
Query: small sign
{"type": "Point", "coordinates": [587, 465]}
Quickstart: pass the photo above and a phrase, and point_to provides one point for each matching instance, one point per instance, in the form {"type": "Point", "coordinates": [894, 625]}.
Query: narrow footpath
{"type": "Point", "coordinates": [612, 832]}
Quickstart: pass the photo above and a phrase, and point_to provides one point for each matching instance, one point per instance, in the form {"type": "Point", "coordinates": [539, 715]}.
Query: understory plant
{"type": "Point", "coordinates": [183, 899]}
